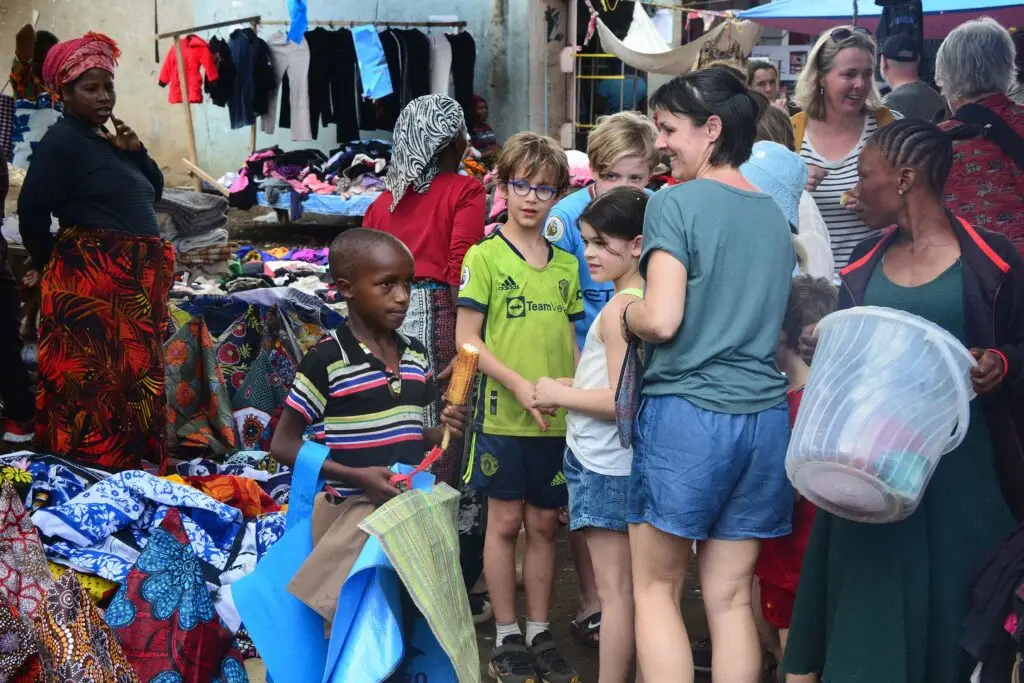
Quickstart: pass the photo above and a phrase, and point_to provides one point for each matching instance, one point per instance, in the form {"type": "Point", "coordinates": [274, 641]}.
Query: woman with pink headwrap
{"type": "Point", "coordinates": [105, 276]}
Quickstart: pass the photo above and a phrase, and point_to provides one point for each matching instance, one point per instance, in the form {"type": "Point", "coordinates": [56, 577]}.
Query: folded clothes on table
{"type": "Point", "coordinates": [193, 212]}
{"type": "Point", "coordinates": [207, 239]}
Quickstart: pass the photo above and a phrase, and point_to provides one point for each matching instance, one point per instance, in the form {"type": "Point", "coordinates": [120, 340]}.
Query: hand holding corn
{"type": "Point", "coordinates": [459, 389]}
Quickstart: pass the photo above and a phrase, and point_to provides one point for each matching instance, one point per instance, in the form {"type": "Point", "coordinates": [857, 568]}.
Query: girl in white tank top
{"type": "Point", "coordinates": [596, 465]}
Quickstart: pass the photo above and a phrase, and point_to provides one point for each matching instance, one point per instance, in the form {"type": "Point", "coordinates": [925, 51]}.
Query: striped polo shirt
{"type": "Point", "coordinates": [366, 414]}
{"type": "Point", "coordinates": [845, 228]}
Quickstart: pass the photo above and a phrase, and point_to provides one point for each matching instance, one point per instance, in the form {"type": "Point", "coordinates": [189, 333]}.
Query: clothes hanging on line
{"type": "Point", "coordinates": [254, 78]}
{"type": "Point", "coordinates": [220, 89]}
{"type": "Point", "coordinates": [291, 61]}
{"type": "Point", "coordinates": [375, 61]}
{"type": "Point", "coordinates": [440, 64]}
{"type": "Point", "coordinates": [463, 69]}
{"type": "Point", "coordinates": [333, 84]}
{"type": "Point", "coordinates": [197, 55]}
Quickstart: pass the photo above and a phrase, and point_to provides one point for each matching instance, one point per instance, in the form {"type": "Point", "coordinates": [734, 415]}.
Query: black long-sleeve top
{"type": "Point", "coordinates": [87, 182]}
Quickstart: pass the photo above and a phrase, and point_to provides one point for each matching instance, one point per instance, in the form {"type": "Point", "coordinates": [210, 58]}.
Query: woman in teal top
{"type": "Point", "coordinates": [885, 603]}
{"type": "Point", "coordinates": [710, 439]}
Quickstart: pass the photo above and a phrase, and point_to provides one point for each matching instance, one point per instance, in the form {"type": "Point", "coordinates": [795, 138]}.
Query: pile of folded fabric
{"type": "Point", "coordinates": [196, 224]}
{"type": "Point", "coordinates": [357, 168]}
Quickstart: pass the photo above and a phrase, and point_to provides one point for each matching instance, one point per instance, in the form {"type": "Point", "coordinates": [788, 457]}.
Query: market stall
{"type": "Point", "coordinates": [812, 17]}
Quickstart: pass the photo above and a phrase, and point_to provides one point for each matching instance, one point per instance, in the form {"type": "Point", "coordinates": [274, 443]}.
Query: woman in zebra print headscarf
{"type": "Point", "coordinates": [438, 214]}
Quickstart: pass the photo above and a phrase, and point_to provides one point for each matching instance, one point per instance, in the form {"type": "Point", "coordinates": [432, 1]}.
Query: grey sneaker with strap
{"type": "Point", "coordinates": [549, 662]}
{"type": "Point", "coordinates": [511, 662]}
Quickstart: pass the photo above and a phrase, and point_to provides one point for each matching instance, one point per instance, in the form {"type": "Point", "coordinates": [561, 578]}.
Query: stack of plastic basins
{"type": "Point", "coordinates": [888, 395]}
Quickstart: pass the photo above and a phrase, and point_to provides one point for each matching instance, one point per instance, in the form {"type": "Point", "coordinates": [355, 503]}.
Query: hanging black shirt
{"type": "Point", "coordinates": [87, 182]}
{"type": "Point", "coordinates": [220, 90]}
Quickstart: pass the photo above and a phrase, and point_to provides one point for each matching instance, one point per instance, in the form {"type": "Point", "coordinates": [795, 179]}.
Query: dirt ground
{"type": "Point", "coordinates": [563, 609]}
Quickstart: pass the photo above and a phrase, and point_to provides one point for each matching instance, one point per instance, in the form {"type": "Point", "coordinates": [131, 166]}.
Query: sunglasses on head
{"type": "Point", "coordinates": [844, 32]}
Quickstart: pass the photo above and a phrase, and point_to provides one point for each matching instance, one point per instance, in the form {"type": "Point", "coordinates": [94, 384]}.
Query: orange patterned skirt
{"type": "Point", "coordinates": [101, 398]}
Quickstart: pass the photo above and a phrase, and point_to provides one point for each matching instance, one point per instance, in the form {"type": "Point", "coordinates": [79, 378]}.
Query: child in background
{"type": "Point", "coordinates": [778, 566]}
{"type": "Point", "coordinates": [622, 151]}
{"type": "Point", "coordinates": [596, 465]}
{"type": "Point", "coordinates": [812, 235]}
{"type": "Point", "coordinates": [517, 304]}
{"type": "Point", "coordinates": [363, 387]}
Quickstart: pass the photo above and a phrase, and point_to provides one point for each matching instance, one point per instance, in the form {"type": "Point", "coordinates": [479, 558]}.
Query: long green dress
{"type": "Point", "coordinates": [883, 603]}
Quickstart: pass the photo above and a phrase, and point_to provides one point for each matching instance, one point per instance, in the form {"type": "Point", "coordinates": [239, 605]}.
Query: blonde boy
{"type": "Point", "coordinates": [623, 151]}
{"type": "Point", "coordinates": [517, 302]}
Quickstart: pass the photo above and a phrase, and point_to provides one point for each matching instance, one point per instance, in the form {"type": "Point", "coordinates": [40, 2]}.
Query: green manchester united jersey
{"type": "Point", "coordinates": [527, 315]}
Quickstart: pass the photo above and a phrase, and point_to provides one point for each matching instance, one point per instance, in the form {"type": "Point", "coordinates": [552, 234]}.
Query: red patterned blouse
{"type": "Point", "coordinates": [985, 186]}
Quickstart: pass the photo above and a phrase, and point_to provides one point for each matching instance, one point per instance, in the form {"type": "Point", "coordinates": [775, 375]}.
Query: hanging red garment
{"type": "Point", "coordinates": [197, 54]}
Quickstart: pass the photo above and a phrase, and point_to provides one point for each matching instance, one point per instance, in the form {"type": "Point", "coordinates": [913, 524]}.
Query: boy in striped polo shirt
{"type": "Point", "coordinates": [363, 388]}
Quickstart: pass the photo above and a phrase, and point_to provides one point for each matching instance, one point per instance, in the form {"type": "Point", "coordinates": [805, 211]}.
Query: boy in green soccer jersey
{"type": "Point", "coordinates": [518, 300]}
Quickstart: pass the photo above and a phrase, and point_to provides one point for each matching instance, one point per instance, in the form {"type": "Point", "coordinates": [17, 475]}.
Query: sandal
{"type": "Point", "coordinates": [587, 631]}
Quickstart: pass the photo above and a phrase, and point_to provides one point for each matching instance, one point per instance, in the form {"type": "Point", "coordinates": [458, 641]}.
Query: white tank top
{"type": "Point", "coordinates": [595, 442]}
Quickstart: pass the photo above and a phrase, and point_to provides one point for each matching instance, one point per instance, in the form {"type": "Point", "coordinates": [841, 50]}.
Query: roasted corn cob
{"type": "Point", "coordinates": [461, 383]}
{"type": "Point", "coordinates": [462, 375]}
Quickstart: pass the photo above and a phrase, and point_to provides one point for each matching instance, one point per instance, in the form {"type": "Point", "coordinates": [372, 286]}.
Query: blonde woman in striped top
{"type": "Point", "coordinates": [841, 109]}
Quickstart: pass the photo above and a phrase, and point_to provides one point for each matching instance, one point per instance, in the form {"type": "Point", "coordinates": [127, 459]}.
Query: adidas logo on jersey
{"type": "Point", "coordinates": [509, 285]}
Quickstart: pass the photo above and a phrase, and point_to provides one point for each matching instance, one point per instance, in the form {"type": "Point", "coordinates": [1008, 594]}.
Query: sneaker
{"type": "Point", "coordinates": [480, 606]}
{"type": "Point", "coordinates": [549, 662]}
{"type": "Point", "coordinates": [511, 662]}
{"type": "Point", "coordinates": [701, 650]}
{"type": "Point", "coordinates": [18, 432]}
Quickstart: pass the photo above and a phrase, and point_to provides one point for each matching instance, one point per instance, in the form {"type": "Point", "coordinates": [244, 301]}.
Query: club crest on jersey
{"type": "Point", "coordinates": [563, 289]}
{"type": "Point", "coordinates": [554, 230]}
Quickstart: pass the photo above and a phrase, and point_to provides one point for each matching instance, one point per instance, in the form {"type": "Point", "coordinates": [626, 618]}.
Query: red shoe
{"type": "Point", "coordinates": [18, 432]}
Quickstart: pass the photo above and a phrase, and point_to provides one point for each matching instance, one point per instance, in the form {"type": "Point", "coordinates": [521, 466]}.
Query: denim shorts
{"type": "Point", "coordinates": [700, 474]}
{"type": "Point", "coordinates": [599, 501]}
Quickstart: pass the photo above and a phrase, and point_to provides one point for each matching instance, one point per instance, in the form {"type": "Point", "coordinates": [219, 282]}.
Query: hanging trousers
{"type": "Point", "coordinates": [292, 61]}
{"type": "Point", "coordinates": [440, 64]}
{"type": "Point", "coordinates": [333, 88]}
{"type": "Point", "coordinates": [463, 68]}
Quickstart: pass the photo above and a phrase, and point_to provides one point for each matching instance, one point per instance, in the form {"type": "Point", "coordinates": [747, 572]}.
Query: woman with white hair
{"type": "Point", "coordinates": [975, 67]}
{"type": "Point", "coordinates": [841, 109]}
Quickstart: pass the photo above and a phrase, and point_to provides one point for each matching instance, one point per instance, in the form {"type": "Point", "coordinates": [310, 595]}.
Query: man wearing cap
{"type": "Point", "coordinates": [910, 96]}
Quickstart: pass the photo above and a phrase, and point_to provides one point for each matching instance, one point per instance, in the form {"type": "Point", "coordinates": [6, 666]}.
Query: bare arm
{"type": "Point", "coordinates": [658, 317]}
{"type": "Point", "coordinates": [599, 403]}
{"type": "Point", "coordinates": [467, 331]}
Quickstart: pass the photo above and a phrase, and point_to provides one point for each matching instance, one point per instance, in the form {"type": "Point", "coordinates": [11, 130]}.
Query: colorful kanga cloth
{"type": "Point", "coordinates": [258, 400]}
{"type": "Point", "coordinates": [164, 616]}
{"type": "Point", "coordinates": [56, 481]}
{"type": "Point", "coordinates": [102, 530]}
{"type": "Point", "coordinates": [198, 402]}
{"type": "Point", "coordinates": [19, 648]}
{"type": "Point", "coordinates": [100, 398]}
{"type": "Point", "coordinates": [238, 492]}
{"type": "Point", "coordinates": [75, 643]}
{"type": "Point", "coordinates": [24, 577]}
{"type": "Point", "coordinates": [272, 476]}
{"type": "Point", "coordinates": [238, 347]}
{"type": "Point", "coordinates": [98, 588]}
{"type": "Point", "coordinates": [17, 476]}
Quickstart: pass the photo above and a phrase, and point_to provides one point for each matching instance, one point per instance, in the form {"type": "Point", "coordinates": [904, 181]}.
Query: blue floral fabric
{"type": "Point", "coordinates": [102, 530]}
{"type": "Point", "coordinates": [164, 614]}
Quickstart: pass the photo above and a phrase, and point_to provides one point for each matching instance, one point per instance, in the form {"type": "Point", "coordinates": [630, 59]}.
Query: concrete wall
{"type": "Point", "coordinates": [141, 102]}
